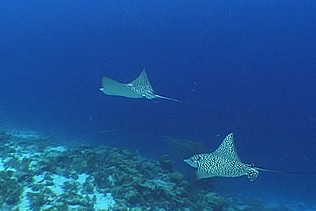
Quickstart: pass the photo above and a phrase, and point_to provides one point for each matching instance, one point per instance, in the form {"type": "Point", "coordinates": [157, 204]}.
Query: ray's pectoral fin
{"type": "Point", "coordinates": [227, 148]}
{"type": "Point", "coordinates": [115, 88]}
{"type": "Point", "coordinates": [202, 174]}
{"type": "Point", "coordinates": [138, 88]}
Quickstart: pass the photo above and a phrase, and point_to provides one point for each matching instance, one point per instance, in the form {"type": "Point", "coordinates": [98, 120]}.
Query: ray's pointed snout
{"type": "Point", "coordinates": [190, 162]}
{"type": "Point", "coordinates": [102, 90]}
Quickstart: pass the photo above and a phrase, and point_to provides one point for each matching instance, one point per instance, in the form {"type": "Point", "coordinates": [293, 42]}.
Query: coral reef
{"type": "Point", "coordinates": [36, 174]}
{"type": "Point", "coordinates": [10, 189]}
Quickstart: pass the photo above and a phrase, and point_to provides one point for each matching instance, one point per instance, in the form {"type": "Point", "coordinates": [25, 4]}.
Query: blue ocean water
{"type": "Point", "coordinates": [254, 59]}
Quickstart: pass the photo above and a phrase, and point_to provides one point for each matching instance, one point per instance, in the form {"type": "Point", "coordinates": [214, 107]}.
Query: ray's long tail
{"type": "Point", "coordinates": [285, 172]}
{"type": "Point", "coordinates": [190, 103]}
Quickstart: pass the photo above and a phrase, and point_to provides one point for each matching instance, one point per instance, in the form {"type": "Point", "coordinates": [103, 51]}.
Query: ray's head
{"type": "Point", "coordinates": [194, 160]}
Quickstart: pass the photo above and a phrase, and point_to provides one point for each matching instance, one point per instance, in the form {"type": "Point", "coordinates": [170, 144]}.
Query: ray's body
{"type": "Point", "coordinates": [140, 88]}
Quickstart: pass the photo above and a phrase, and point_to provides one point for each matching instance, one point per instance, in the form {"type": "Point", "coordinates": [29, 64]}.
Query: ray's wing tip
{"type": "Point", "coordinates": [229, 136]}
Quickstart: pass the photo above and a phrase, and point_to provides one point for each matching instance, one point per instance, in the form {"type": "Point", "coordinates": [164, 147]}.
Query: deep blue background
{"type": "Point", "coordinates": [254, 58]}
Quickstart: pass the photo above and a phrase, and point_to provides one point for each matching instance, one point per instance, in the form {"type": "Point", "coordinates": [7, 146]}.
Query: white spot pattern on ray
{"type": "Point", "coordinates": [223, 162]}
{"type": "Point", "coordinates": [227, 148]}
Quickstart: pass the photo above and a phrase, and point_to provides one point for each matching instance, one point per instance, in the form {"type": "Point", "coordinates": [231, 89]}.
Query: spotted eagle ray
{"type": "Point", "coordinates": [223, 162]}
{"type": "Point", "coordinates": [139, 88]}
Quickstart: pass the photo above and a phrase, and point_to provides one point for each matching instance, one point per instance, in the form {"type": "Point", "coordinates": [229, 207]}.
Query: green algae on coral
{"type": "Point", "coordinates": [10, 189]}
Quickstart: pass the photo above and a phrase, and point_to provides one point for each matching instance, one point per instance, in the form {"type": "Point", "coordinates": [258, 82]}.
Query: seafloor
{"type": "Point", "coordinates": [36, 173]}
